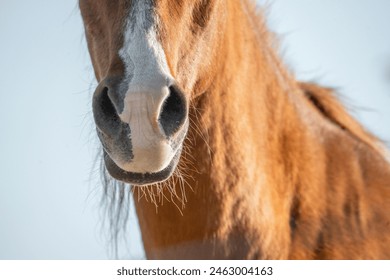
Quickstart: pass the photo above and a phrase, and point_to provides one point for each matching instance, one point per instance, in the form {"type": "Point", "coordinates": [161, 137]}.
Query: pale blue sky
{"type": "Point", "coordinates": [49, 190]}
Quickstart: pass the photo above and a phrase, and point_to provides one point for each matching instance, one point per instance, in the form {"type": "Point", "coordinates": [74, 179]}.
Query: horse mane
{"type": "Point", "coordinates": [330, 107]}
{"type": "Point", "coordinates": [324, 99]}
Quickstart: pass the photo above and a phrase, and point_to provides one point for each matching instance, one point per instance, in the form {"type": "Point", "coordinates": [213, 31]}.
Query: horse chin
{"type": "Point", "coordinates": [140, 179]}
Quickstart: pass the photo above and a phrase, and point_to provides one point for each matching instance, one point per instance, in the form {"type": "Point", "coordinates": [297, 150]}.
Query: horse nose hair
{"type": "Point", "coordinates": [173, 111]}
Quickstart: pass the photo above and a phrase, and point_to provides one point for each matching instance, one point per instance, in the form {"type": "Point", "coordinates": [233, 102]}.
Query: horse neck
{"type": "Point", "coordinates": [238, 145]}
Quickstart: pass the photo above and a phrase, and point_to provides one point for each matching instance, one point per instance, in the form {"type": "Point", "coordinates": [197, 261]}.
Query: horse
{"type": "Point", "coordinates": [230, 155]}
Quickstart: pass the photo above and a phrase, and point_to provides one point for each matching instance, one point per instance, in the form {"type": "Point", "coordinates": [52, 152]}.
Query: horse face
{"type": "Point", "coordinates": [147, 58]}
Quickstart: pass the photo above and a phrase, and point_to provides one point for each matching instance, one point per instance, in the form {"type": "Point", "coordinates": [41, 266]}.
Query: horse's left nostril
{"type": "Point", "coordinates": [173, 112]}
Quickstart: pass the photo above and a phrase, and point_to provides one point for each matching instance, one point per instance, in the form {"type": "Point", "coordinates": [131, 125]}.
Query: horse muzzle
{"type": "Point", "coordinates": [141, 129]}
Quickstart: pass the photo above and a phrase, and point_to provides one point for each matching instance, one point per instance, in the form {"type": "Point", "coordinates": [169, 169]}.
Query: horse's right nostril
{"type": "Point", "coordinates": [106, 105]}
{"type": "Point", "coordinates": [173, 112]}
{"type": "Point", "coordinates": [105, 114]}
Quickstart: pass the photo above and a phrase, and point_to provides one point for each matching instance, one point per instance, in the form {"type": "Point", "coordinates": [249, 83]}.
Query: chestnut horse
{"type": "Point", "coordinates": [194, 107]}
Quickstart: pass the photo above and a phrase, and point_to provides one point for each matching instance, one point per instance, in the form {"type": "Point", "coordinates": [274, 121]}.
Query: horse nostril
{"type": "Point", "coordinates": [106, 116]}
{"type": "Point", "coordinates": [173, 112]}
{"type": "Point", "coordinates": [106, 105]}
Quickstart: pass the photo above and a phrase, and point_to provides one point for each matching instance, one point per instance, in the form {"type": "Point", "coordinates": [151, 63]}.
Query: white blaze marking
{"type": "Point", "coordinates": [147, 68]}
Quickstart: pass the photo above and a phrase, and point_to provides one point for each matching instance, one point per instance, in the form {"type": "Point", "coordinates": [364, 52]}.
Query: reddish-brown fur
{"type": "Point", "coordinates": [273, 168]}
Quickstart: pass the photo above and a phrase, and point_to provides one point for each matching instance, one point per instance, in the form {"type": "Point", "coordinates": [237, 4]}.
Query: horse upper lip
{"type": "Point", "coordinates": [140, 178]}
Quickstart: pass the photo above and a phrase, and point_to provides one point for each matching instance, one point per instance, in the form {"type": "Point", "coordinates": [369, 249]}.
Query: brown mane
{"type": "Point", "coordinates": [328, 104]}
{"type": "Point", "coordinates": [271, 168]}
